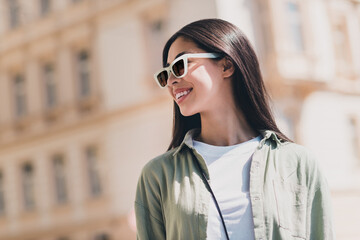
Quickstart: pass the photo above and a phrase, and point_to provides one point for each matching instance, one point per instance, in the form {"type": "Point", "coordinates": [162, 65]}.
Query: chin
{"type": "Point", "coordinates": [187, 112]}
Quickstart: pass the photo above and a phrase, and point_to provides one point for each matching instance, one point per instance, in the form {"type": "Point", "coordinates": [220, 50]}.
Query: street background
{"type": "Point", "coordinates": [80, 114]}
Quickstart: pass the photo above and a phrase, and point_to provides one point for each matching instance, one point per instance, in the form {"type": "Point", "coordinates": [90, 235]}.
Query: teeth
{"type": "Point", "coordinates": [180, 94]}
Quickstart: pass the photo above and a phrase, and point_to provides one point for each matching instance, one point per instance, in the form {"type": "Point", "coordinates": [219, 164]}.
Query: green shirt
{"type": "Point", "coordinates": [289, 195]}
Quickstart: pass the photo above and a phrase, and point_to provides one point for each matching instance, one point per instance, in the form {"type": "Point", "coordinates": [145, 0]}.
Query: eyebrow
{"type": "Point", "coordinates": [180, 54]}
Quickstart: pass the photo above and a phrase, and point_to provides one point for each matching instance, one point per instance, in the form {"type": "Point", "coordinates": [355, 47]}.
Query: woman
{"type": "Point", "coordinates": [229, 172]}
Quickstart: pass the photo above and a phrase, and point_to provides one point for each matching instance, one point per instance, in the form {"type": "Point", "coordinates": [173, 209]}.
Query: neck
{"type": "Point", "coordinates": [224, 128]}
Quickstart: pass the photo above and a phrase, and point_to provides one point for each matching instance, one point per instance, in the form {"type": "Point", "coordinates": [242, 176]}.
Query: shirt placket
{"type": "Point", "coordinates": [256, 196]}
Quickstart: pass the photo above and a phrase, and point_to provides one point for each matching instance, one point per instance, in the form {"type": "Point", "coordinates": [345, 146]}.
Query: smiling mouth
{"type": "Point", "coordinates": [182, 94]}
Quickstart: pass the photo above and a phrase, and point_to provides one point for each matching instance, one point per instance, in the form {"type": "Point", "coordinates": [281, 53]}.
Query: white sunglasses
{"type": "Point", "coordinates": [179, 67]}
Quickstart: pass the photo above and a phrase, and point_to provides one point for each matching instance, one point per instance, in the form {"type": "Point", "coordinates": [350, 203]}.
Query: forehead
{"type": "Point", "coordinates": [181, 45]}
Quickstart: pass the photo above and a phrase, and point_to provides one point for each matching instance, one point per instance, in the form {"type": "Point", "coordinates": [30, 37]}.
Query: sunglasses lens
{"type": "Point", "coordinates": [162, 78]}
{"type": "Point", "coordinates": [178, 68]}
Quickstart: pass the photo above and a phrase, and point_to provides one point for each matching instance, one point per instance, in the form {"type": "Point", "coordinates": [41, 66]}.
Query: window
{"type": "Point", "coordinates": [60, 179]}
{"type": "Point", "coordinates": [27, 172]}
{"type": "Point", "coordinates": [102, 236]}
{"type": "Point", "coordinates": [93, 169]}
{"type": "Point", "coordinates": [295, 25]}
{"type": "Point", "coordinates": [50, 86]}
{"type": "Point", "coordinates": [2, 194]}
{"type": "Point", "coordinates": [342, 45]}
{"type": "Point", "coordinates": [45, 7]}
{"type": "Point", "coordinates": [20, 96]}
{"type": "Point", "coordinates": [155, 35]}
{"type": "Point", "coordinates": [14, 13]}
{"type": "Point", "coordinates": [84, 81]}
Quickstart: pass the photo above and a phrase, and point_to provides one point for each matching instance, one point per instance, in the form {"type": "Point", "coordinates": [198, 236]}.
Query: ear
{"type": "Point", "coordinates": [228, 67]}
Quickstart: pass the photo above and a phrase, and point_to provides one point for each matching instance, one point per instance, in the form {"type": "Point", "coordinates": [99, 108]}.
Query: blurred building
{"type": "Point", "coordinates": [76, 115]}
{"type": "Point", "coordinates": [311, 56]}
{"type": "Point", "coordinates": [80, 114]}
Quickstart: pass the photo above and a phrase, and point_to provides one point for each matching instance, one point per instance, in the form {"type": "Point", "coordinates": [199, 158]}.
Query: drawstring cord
{"type": "Point", "coordinates": [213, 195]}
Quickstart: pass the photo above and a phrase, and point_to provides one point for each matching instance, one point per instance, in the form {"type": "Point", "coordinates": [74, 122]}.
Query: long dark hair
{"type": "Point", "coordinates": [219, 36]}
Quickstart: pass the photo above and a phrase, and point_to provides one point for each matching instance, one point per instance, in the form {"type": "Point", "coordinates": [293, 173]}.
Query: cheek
{"type": "Point", "coordinates": [204, 80]}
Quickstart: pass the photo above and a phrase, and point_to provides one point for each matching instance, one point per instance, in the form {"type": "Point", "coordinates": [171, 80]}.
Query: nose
{"type": "Point", "coordinates": [172, 79]}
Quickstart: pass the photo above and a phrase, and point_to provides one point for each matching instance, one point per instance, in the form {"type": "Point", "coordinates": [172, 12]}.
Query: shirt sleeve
{"type": "Point", "coordinates": [148, 210]}
{"type": "Point", "coordinates": [320, 226]}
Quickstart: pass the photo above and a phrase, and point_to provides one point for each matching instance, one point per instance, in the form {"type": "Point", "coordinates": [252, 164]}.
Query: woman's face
{"type": "Point", "coordinates": [197, 91]}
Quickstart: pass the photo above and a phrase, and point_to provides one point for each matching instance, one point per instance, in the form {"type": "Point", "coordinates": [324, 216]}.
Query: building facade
{"type": "Point", "coordinates": [80, 114]}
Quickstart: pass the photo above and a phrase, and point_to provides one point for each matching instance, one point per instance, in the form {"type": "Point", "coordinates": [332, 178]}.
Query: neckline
{"type": "Point", "coordinates": [255, 139]}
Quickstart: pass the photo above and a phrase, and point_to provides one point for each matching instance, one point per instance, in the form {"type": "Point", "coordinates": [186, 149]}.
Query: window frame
{"type": "Point", "coordinates": [44, 10]}
{"type": "Point", "coordinates": [80, 71]}
{"type": "Point", "coordinates": [14, 16]}
{"type": "Point", "coordinates": [93, 169]}
{"type": "Point", "coordinates": [53, 83]}
{"type": "Point", "coordinates": [23, 96]}
{"type": "Point", "coordinates": [64, 179]}
{"type": "Point", "coordinates": [28, 204]}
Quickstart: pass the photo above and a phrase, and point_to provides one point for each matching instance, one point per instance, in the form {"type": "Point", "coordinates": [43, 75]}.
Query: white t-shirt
{"type": "Point", "coordinates": [229, 170]}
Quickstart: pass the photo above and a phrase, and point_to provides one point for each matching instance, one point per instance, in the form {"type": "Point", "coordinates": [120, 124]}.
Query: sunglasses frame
{"type": "Point", "coordinates": [183, 57]}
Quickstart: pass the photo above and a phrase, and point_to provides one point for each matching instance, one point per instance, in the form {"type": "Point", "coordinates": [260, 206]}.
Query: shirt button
{"type": "Point", "coordinates": [256, 198]}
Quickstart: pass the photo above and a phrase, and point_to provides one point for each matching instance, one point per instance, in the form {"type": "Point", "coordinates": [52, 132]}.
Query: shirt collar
{"type": "Point", "coordinates": [266, 134]}
{"type": "Point", "coordinates": [271, 135]}
{"type": "Point", "coordinates": [189, 136]}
